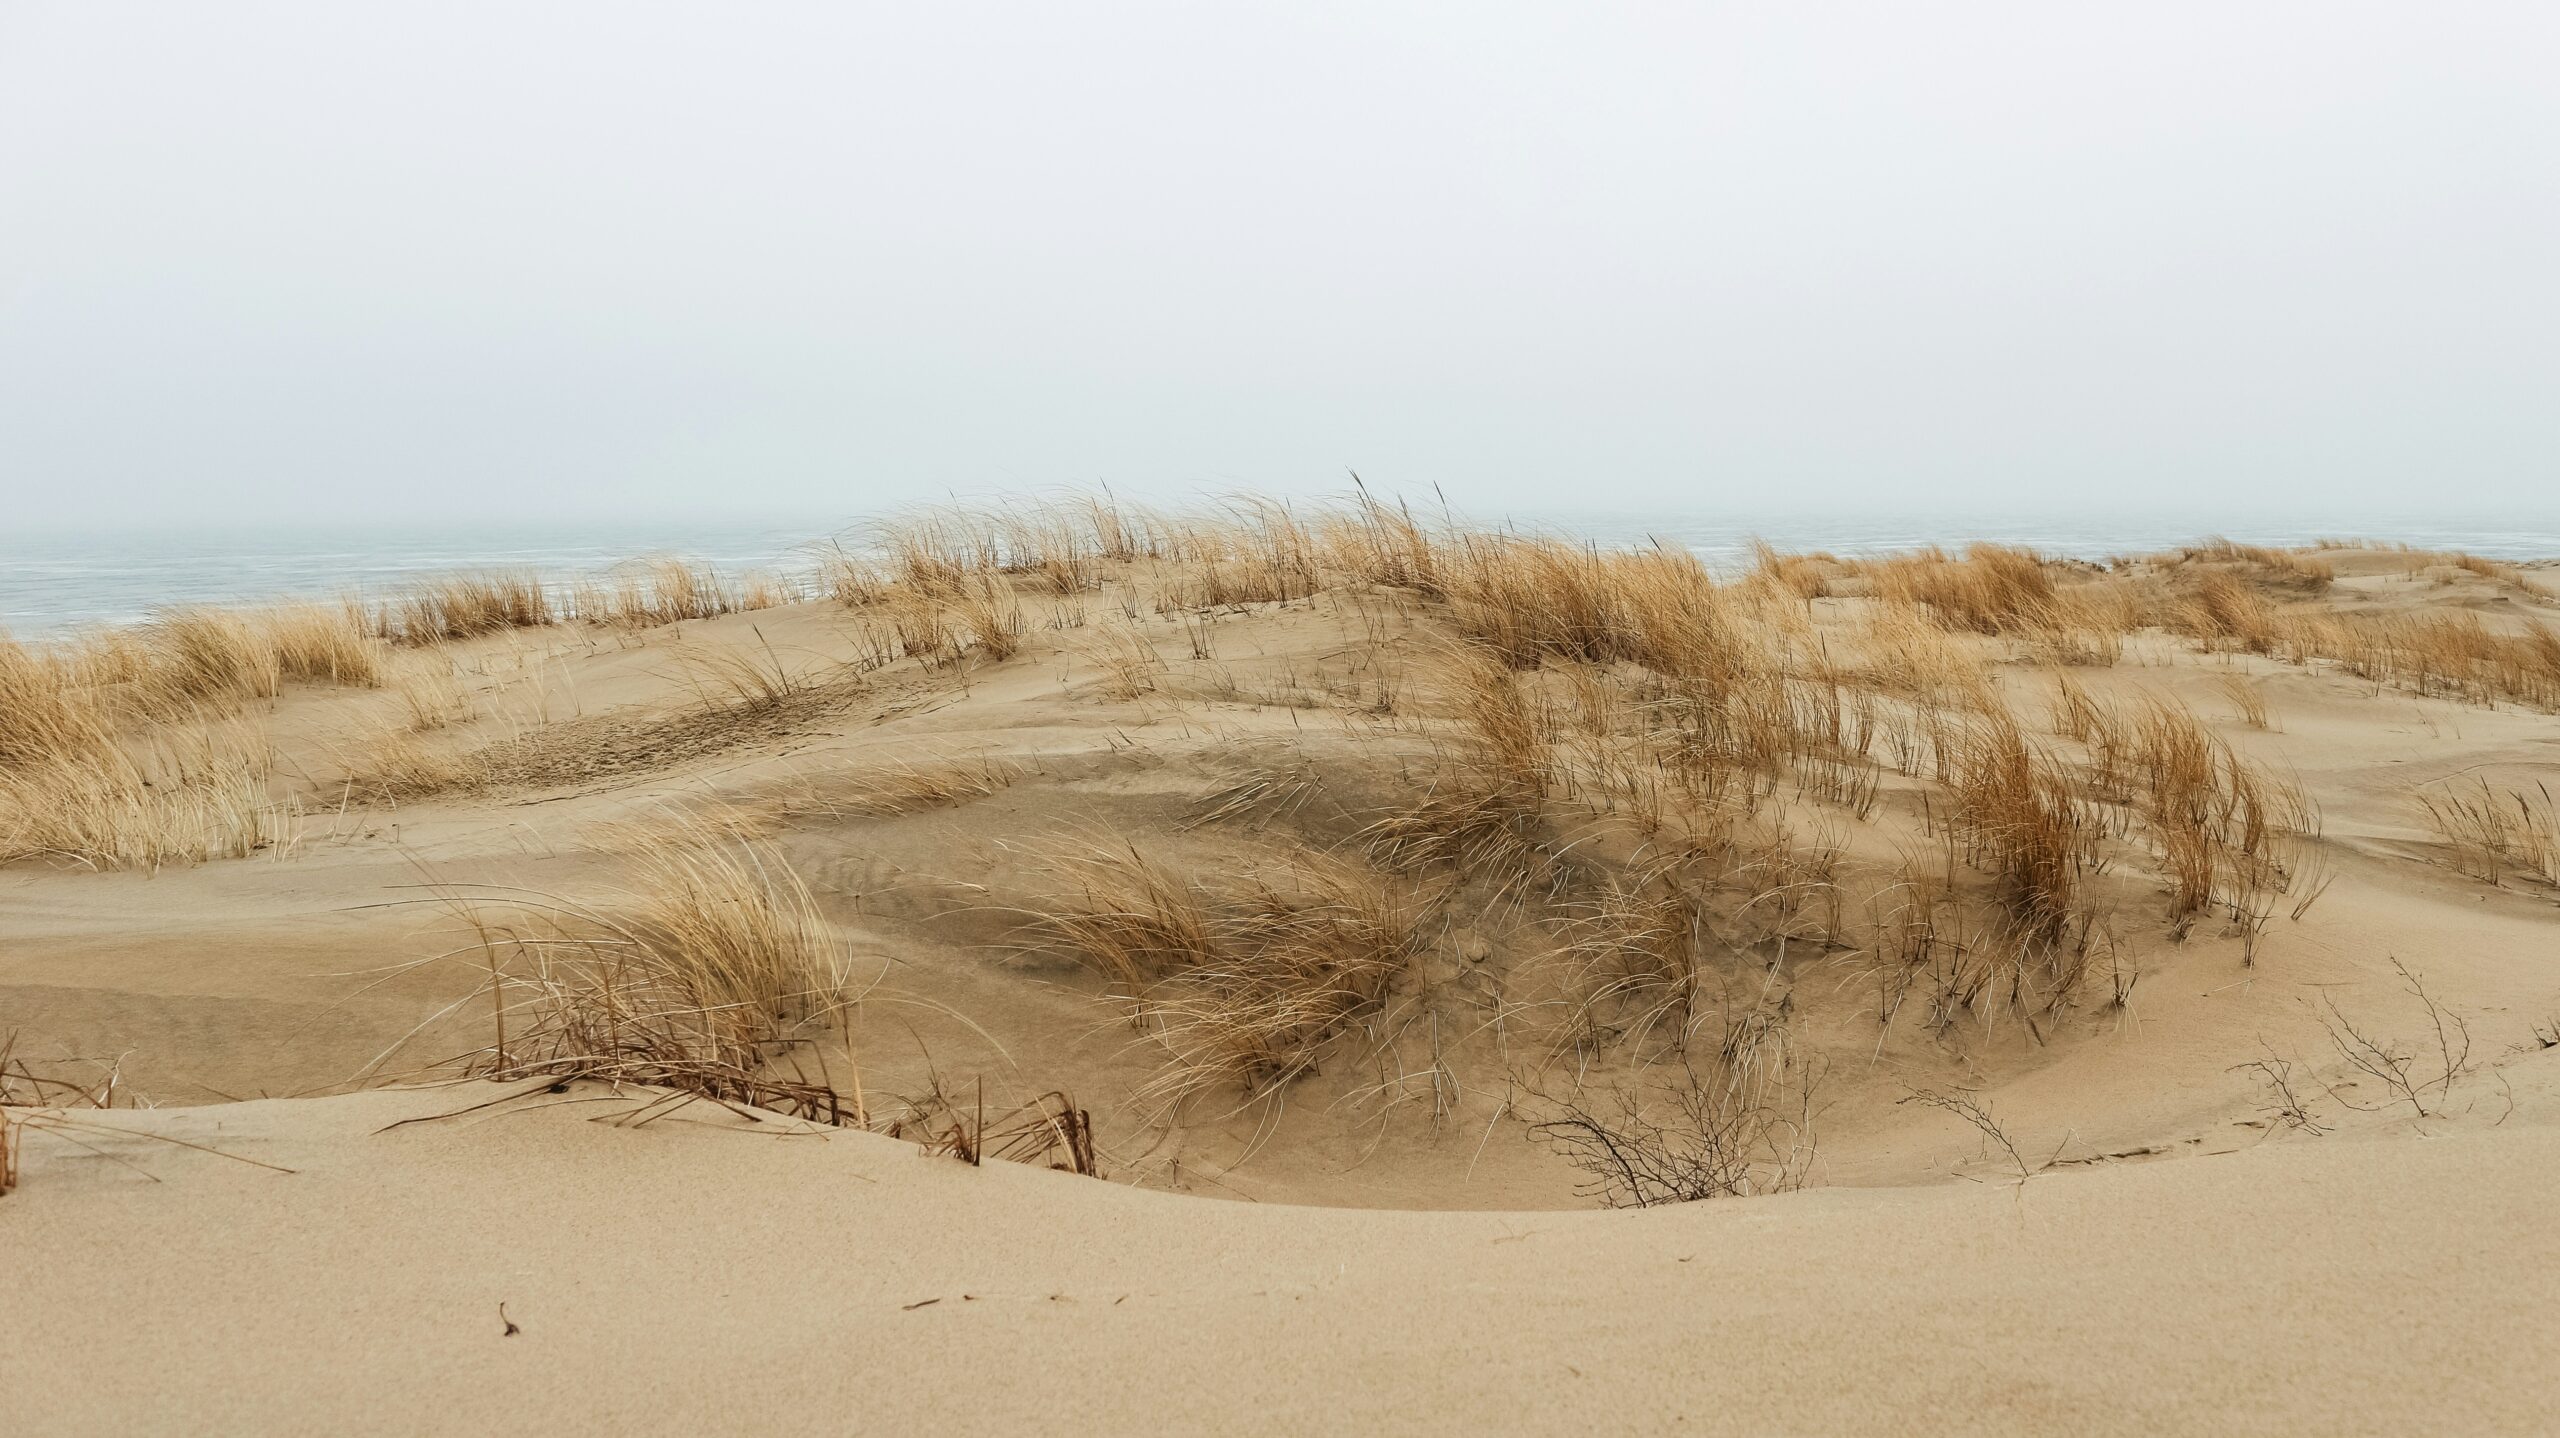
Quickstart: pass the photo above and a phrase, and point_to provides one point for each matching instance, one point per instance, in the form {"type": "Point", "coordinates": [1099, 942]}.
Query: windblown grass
{"type": "Point", "coordinates": [714, 976]}
{"type": "Point", "coordinates": [2494, 832]}
{"type": "Point", "coordinates": [123, 750]}
{"type": "Point", "coordinates": [204, 654]}
{"type": "Point", "coordinates": [2024, 821]}
{"type": "Point", "coordinates": [178, 794]}
{"type": "Point", "coordinates": [2454, 656]}
{"type": "Point", "coordinates": [1992, 590]}
{"type": "Point", "coordinates": [1244, 982]}
{"type": "Point", "coordinates": [1483, 811]}
{"type": "Point", "coordinates": [466, 606]}
{"type": "Point", "coordinates": [2299, 568]}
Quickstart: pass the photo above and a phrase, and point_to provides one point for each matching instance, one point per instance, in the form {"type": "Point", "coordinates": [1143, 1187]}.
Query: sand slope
{"type": "Point", "coordinates": [279, 975]}
{"type": "Point", "coordinates": [696, 1276]}
{"type": "Point", "coordinates": [2371, 1270]}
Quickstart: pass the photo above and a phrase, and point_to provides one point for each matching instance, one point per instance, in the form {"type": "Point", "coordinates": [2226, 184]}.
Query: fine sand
{"type": "Point", "coordinates": [2081, 1157]}
{"type": "Point", "coordinates": [696, 1277]}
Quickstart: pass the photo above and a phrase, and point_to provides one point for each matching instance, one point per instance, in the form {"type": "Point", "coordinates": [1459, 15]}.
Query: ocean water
{"type": "Point", "coordinates": [52, 582]}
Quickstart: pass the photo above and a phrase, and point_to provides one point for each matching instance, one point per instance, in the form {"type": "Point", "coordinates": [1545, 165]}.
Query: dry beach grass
{"type": "Point", "coordinates": [1345, 855]}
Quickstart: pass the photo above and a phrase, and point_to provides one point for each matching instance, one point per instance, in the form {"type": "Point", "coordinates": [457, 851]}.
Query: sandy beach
{"type": "Point", "coordinates": [1498, 984]}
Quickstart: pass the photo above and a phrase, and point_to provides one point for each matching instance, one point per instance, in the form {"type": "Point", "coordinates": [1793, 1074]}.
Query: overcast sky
{"type": "Point", "coordinates": [340, 260]}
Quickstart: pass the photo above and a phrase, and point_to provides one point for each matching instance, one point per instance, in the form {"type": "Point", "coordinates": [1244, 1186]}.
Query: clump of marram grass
{"type": "Point", "coordinates": [386, 760]}
{"type": "Point", "coordinates": [432, 694]}
{"type": "Point", "coordinates": [1376, 543]}
{"type": "Point", "coordinates": [991, 616]}
{"type": "Point", "coordinates": [1482, 812]}
{"type": "Point", "coordinates": [48, 707]}
{"type": "Point", "coordinates": [466, 606]}
{"type": "Point", "coordinates": [2014, 593]}
{"type": "Point", "coordinates": [2226, 614]}
{"type": "Point", "coordinates": [119, 749]}
{"type": "Point", "coordinates": [1903, 653]}
{"type": "Point", "coordinates": [193, 657]}
{"type": "Point", "coordinates": [1131, 664]}
{"type": "Point", "coordinates": [1806, 576]}
{"type": "Point", "coordinates": [2456, 656]}
{"type": "Point", "coordinates": [1637, 953]}
{"type": "Point", "coordinates": [1529, 600]}
{"type": "Point", "coordinates": [726, 676]}
{"type": "Point", "coordinates": [2248, 701]}
{"type": "Point", "coordinates": [57, 699]}
{"type": "Point", "coordinates": [319, 643]}
{"type": "Point", "coordinates": [2283, 566]}
{"type": "Point", "coordinates": [2493, 832]}
{"type": "Point", "coordinates": [715, 975]}
{"type": "Point", "coordinates": [176, 795]}
{"type": "Point", "coordinates": [207, 657]}
{"type": "Point", "coordinates": [1050, 1130]}
{"type": "Point", "coordinates": [664, 589]}
{"type": "Point", "coordinates": [2022, 819]}
{"type": "Point", "coordinates": [2226, 832]}
{"type": "Point", "coordinates": [1245, 982]}
{"type": "Point", "coordinates": [1992, 590]}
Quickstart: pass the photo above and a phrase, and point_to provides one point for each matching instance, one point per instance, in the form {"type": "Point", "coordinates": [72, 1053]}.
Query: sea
{"type": "Point", "coordinates": [53, 582]}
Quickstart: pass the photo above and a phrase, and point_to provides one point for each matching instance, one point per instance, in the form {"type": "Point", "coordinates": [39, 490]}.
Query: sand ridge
{"type": "Point", "coordinates": [688, 1274]}
{"type": "Point", "coordinates": [2137, 1226]}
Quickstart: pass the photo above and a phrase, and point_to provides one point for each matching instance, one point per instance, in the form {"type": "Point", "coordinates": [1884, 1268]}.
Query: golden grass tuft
{"type": "Point", "coordinates": [2225, 830]}
{"type": "Point", "coordinates": [466, 606]}
{"type": "Point", "coordinates": [1245, 981]}
{"type": "Point", "coordinates": [1806, 576]}
{"type": "Point", "coordinates": [323, 644]}
{"type": "Point", "coordinates": [181, 794]}
{"type": "Point", "coordinates": [431, 694]}
{"type": "Point", "coordinates": [991, 616]}
{"type": "Point", "coordinates": [2454, 656]}
{"type": "Point", "coordinates": [661, 589]}
{"type": "Point", "coordinates": [742, 675]}
{"type": "Point", "coordinates": [117, 749]}
{"type": "Point", "coordinates": [2023, 820]}
{"type": "Point", "coordinates": [203, 655]}
{"type": "Point", "coordinates": [716, 976]}
{"type": "Point", "coordinates": [1482, 813]}
{"type": "Point", "coordinates": [2294, 567]}
{"type": "Point", "coordinates": [2226, 614]}
{"type": "Point", "coordinates": [1992, 590]}
{"type": "Point", "coordinates": [2494, 832]}
{"type": "Point", "coordinates": [2248, 701]}
{"type": "Point", "coordinates": [1131, 664]}
{"type": "Point", "coordinates": [394, 761]}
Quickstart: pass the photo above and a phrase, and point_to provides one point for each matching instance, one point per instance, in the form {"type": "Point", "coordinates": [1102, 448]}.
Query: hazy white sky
{"type": "Point", "coordinates": [336, 260]}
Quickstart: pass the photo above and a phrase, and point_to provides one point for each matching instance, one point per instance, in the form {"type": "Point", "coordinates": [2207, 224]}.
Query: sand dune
{"type": "Point", "coordinates": [2145, 974]}
{"type": "Point", "coordinates": [697, 1275]}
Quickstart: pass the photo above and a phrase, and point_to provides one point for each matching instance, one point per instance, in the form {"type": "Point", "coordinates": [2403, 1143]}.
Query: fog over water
{"type": "Point", "coordinates": [595, 266]}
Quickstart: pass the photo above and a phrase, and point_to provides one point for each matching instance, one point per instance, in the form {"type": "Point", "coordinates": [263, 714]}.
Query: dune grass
{"type": "Point", "coordinates": [1668, 758]}
{"type": "Point", "coordinates": [1243, 981]}
{"type": "Point", "coordinates": [1661, 801]}
{"type": "Point", "coordinates": [172, 794]}
{"type": "Point", "coordinates": [466, 606]}
{"type": "Point", "coordinates": [715, 975]}
{"type": "Point", "coordinates": [2495, 832]}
